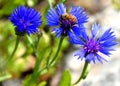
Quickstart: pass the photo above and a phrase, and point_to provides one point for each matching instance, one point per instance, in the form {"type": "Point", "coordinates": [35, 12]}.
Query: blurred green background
{"type": "Point", "coordinates": [23, 63]}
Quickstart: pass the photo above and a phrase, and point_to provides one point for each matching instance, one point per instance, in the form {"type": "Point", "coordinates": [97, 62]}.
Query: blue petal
{"type": "Point", "coordinates": [74, 39]}
{"type": "Point", "coordinates": [21, 11]}
{"type": "Point", "coordinates": [31, 31]}
{"type": "Point", "coordinates": [60, 9]}
{"type": "Point", "coordinates": [17, 14]}
{"type": "Point", "coordinates": [52, 18]}
{"type": "Point", "coordinates": [108, 43]}
{"type": "Point", "coordinates": [112, 38]}
{"type": "Point", "coordinates": [79, 13]}
{"type": "Point", "coordinates": [33, 16]}
{"type": "Point", "coordinates": [99, 58]}
{"type": "Point", "coordinates": [78, 30]}
{"type": "Point", "coordinates": [80, 54]}
{"type": "Point", "coordinates": [28, 32]}
{"type": "Point", "coordinates": [95, 30]}
{"type": "Point", "coordinates": [106, 35]}
{"type": "Point", "coordinates": [90, 57]}
{"type": "Point", "coordinates": [32, 13]}
{"type": "Point", "coordinates": [84, 36]}
{"type": "Point", "coordinates": [105, 51]}
{"type": "Point", "coordinates": [58, 31]}
{"type": "Point", "coordinates": [26, 20]}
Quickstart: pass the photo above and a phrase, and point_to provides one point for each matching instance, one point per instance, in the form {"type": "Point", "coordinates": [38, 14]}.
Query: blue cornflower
{"type": "Point", "coordinates": [26, 20]}
{"type": "Point", "coordinates": [93, 47]}
{"type": "Point", "coordinates": [67, 23]}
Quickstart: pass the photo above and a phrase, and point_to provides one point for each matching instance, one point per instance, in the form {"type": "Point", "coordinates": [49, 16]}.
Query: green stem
{"type": "Point", "coordinates": [9, 59]}
{"type": "Point", "coordinates": [16, 46]}
{"type": "Point", "coordinates": [30, 41]}
{"type": "Point", "coordinates": [37, 42]}
{"type": "Point", "coordinates": [54, 58]}
{"type": "Point", "coordinates": [35, 48]}
{"type": "Point", "coordinates": [57, 52]}
{"type": "Point", "coordinates": [36, 73]}
{"type": "Point", "coordinates": [36, 54]}
{"type": "Point", "coordinates": [83, 73]}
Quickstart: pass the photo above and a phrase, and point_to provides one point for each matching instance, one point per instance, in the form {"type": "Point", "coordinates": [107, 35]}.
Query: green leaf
{"type": "Point", "coordinates": [48, 57]}
{"type": "Point", "coordinates": [42, 53]}
{"type": "Point", "coordinates": [5, 76]}
{"type": "Point", "coordinates": [66, 79]}
{"type": "Point", "coordinates": [40, 58]}
{"type": "Point", "coordinates": [43, 83]}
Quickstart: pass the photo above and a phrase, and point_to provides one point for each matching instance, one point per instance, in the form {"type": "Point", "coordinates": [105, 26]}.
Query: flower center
{"type": "Point", "coordinates": [25, 23]}
{"type": "Point", "coordinates": [67, 21]}
{"type": "Point", "coordinates": [92, 46]}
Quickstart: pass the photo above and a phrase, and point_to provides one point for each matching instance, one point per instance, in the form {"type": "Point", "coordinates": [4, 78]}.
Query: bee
{"type": "Point", "coordinates": [69, 17]}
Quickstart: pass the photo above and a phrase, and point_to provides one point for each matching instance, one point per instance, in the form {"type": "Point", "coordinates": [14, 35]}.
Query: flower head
{"type": "Point", "coordinates": [67, 22]}
{"type": "Point", "coordinates": [26, 20]}
{"type": "Point", "coordinates": [93, 47]}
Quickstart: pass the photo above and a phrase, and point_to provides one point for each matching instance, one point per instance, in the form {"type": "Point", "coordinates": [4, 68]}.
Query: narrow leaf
{"type": "Point", "coordinates": [5, 76]}
{"type": "Point", "coordinates": [48, 57]}
{"type": "Point", "coordinates": [66, 79]}
{"type": "Point", "coordinates": [43, 83]}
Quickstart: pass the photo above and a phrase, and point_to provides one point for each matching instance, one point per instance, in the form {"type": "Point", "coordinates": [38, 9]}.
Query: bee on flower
{"type": "Point", "coordinates": [66, 23]}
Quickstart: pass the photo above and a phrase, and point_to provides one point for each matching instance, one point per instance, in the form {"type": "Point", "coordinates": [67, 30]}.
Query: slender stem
{"type": "Point", "coordinates": [37, 42]}
{"type": "Point", "coordinates": [9, 59]}
{"type": "Point", "coordinates": [57, 52]}
{"type": "Point", "coordinates": [34, 75]}
{"type": "Point", "coordinates": [16, 46]}
{"type": "Point", "coordinates": [36, 53]}
{"type": "Point", "coordinates": [83, 73]}
{"type": "Point", "coordinates": [30, 41]}
{"type": "Point", "coordinates": [54, 58]}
